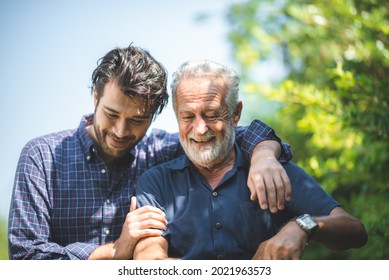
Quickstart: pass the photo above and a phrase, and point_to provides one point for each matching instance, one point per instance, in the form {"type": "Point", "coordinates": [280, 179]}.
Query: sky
{"type": "Point", "coordinates": [49, 50]}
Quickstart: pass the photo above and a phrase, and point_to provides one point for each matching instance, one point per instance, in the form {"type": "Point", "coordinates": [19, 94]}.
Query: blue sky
{"type": "Point", "coordinates": [50, 48]}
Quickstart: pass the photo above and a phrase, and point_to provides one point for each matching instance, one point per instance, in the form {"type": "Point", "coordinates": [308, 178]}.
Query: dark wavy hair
{"type": "Point", "coordinates": [137, 73]}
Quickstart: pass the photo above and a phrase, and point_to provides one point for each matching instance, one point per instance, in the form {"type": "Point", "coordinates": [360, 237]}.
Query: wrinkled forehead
{"type": "Point", "coordinates": [201, 86]}
{"type": "Point", "coordinates": [193, 94]}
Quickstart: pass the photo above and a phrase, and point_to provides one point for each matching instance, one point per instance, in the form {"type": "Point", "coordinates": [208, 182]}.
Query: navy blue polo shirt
{"type": "Point", "coordinates": [222, 223]}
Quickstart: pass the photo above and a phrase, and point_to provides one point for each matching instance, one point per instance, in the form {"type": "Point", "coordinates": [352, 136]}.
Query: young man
{"type": "Point", "coordinates": [203, 193]}
{"type": "Point", "coordinates": [72, 189]}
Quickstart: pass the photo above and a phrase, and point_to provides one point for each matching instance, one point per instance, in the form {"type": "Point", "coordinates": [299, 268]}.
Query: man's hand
{"type": "Point", "coordinates": [147, 221]}
{"type": "Point", "coordinates": [288, 244]}
{"type": "Point", "coordinates": [268, 181]}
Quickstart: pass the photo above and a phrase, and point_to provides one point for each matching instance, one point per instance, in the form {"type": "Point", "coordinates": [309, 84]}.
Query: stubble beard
{"type": "Point", "coordinates": [101, 136]}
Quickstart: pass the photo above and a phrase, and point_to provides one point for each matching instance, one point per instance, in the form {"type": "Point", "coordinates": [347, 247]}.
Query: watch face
{"type": "Point", "coordinates": [307, 223]}
{"type": "Point", "coordinates": [310, 223]}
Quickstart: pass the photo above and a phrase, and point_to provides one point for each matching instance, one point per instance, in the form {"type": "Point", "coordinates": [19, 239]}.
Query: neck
{"type": "Point", "coordinates": [214, 173]}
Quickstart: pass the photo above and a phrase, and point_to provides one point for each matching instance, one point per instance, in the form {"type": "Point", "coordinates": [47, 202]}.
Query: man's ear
{"type": "Point", "coordinates": [95, 97]}
{"type": "Point", "coordinates": [237, 113]}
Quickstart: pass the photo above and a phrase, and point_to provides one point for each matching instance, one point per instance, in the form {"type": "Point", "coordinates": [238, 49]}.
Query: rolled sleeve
{"type": "Point", "coordinates": [257, 132]}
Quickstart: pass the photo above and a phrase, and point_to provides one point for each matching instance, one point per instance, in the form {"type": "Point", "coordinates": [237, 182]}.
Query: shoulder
{"type": "Point", "coordinates": [48, 141]}
{"type": "Point", "coordinates": [301, 181]}
{"type": "Point", "coordinates": [160, 134]}
{"type": "Point", "coordinates": [166, 168]}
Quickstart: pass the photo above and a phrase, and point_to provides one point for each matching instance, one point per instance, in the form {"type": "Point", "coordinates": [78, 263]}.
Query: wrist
{"type": "Point", "coordinates": [291, 228]}
{"type": "Point", "coordinates": [263, 151]}
{"type": "Point", "coordinates": [122, 250]}
{"type": "Point", "coordinates": [308, 224]}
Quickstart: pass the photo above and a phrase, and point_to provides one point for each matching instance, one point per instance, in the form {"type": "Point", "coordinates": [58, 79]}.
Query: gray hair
{"type": "Point", "coordinates": [208, 68]}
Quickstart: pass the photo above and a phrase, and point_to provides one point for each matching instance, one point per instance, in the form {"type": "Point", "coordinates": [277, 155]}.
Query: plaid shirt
{"type": "Point", "coordinates": [66, 202]}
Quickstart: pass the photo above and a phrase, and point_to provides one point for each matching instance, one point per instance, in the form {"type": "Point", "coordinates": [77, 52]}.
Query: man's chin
{"type": "Point", "coordinates": [118, 154]}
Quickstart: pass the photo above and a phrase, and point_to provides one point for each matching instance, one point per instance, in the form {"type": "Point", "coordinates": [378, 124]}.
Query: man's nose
{"type": "Point", "coordinates": [121, 129]}
{"type": "Point", "coordinates": [200, 126]}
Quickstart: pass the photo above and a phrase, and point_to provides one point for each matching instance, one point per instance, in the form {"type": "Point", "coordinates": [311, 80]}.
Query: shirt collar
{"type": "Point", "coordinates": [87, 144]}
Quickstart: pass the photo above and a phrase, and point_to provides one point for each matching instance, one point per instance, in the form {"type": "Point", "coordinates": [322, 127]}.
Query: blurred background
{"type": "Point", "coordinates": [316, 71]}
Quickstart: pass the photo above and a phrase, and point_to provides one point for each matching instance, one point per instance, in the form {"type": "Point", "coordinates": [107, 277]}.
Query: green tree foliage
{"type": "Point", "coordinates": [3, 241]}
{"type": "Point", "coordinates": [333, 98]}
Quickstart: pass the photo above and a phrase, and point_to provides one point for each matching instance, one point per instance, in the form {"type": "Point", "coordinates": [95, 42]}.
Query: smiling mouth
{"type": "Point", "coordinates": [202, 140]}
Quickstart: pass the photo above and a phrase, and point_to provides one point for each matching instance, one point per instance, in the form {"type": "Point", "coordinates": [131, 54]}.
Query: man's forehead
{"type": "Point", "coordinates": [120, 103]}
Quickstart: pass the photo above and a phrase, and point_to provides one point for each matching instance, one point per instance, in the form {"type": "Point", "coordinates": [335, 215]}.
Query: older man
{"type": "Point", "coordinates": [204, 193]}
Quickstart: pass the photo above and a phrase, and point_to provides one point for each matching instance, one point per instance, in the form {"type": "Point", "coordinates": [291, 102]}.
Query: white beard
{"type": "Point", "coordinates": [212, 153]}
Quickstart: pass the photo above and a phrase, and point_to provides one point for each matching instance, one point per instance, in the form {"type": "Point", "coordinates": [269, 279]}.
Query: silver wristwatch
{"type": "Point", "coordinates": [308, 224]}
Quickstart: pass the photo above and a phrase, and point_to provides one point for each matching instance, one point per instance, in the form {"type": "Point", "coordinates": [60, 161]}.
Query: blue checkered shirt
{"type": "Point", "coordinates": [66, 202]}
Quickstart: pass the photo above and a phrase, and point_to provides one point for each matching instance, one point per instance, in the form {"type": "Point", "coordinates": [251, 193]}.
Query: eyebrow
{"type": "Point", "coordinates": [141, 117]}
{"type": "Point", "coordinates": [207, 110]}
{"type": "Point", "coordinates": [110, 109]}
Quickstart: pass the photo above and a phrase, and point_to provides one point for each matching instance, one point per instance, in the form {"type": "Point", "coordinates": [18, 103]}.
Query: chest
{"type": "Point", "coordinates": [88, 201]}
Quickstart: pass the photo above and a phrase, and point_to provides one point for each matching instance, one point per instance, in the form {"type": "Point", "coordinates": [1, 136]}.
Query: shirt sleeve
{"type": "Point", "coordinates": [248, 137]}
{"type": "Point", "coordinates": [148, 191]}
{"type": "Point", "coordinates": [29, 216]}
{"type": "Point", "coordinates": [308, 196]}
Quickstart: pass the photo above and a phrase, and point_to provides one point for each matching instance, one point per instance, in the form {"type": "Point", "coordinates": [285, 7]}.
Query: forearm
{"type": "Point", "coordinates": [266, 149]}
{"type": "Point", "coordinates": [30, 238]}
{"type": "Point", "coordinates": [110, 251]}
{"type": "Point", "coordinates": [121, 249]}
{"type": "Point", "coordinates": [340, 231]}
{"type": "Point", "coordinates": [36, 250]}
{"type": "Point", "coordinates": [151, 248]}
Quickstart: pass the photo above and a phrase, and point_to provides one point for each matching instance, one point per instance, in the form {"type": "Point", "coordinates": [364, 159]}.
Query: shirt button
{"type": "Point", "coordinates": [88, 158]}
{"type": "Point", "coordinates": [218, 225]}
{"type": "Point", "coordinates": [214, 194]}
{"type": "Point", "coordinates": [103, 171]}
{"type": "Point", "coordinates": [108, 201]}
{"type": "Point", "coordinates": [220, 257]}
{"type": "Point", "coordinates": [107, 232]}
